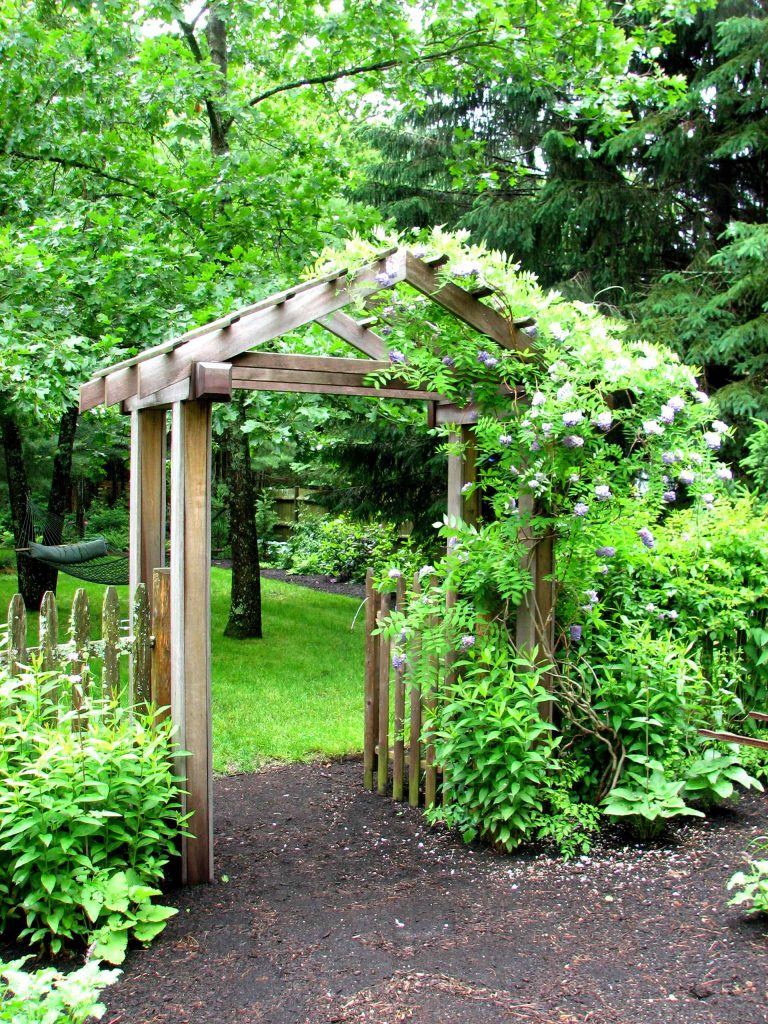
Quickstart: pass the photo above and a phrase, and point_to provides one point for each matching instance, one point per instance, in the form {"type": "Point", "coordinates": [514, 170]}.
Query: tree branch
{"type": "Point", "coordinates": [81, 165]}
{"type": "Point", "coordinates": [361, 69]}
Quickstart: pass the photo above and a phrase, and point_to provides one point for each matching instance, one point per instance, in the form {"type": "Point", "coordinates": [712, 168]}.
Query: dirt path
{"type": "Point", "coordinates": [334, 906]}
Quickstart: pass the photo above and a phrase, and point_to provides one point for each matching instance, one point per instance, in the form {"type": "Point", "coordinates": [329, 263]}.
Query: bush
{"type": "Point", "coordinates": [48, 996]}
{"type": "Point", "coordinates": [109, 522]}
{"type": "Point", "coordinates": [89, 816]}
{"type": "Point", "coordinates": [751, 885]}
{"type": "Point", "coordinates": [339, 546]}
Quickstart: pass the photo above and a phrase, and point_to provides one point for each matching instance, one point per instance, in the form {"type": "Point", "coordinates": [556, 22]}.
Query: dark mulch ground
{"type": "Point", "coordinates": [340, 907]}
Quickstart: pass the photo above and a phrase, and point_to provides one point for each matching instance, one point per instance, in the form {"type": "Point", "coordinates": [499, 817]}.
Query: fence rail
{"type": "Point", "coordinates": [142, 641]}
{"type": "Point", "coordinates": [404, 760]}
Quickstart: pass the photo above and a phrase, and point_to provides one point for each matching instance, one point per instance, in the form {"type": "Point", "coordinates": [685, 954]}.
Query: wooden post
{"type": "Point", "coordinates": [110, 634]}
{"type": "Point", "coordinates": [48, 634]}
{"type": "Point", "coordinates": [147, 496]}
{"type": "Point", "coordinates": [414, 729]}
{"type": "Point", "coordinates": [371, 683]}
{"type": "Point", "coordinates": [139, 686]}
{"type": "Point", "coordinates": [398, 754]}
{"type": "Point", "coordinates": [191, 625]}
{"type": "Point", "coordinates": [382, 767]}
{"type": "Point", "coordinates": [525, 629]}
{"type": "Point", "coordinates": [462, 469]}
{"type": "Point", "coordinates": [430, 704]}
{"type": "Point", "coordinates": [80, 635]}
{"type": "Point", "coordinates": [545, 613]}
{"type": "Point", "coordinates": [17, 634]}
{"type": "Point", "coordinates": [160, 673]}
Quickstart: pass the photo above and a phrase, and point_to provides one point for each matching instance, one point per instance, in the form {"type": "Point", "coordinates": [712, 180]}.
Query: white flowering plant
{"type": "Point", "coordinates": [603, 444]}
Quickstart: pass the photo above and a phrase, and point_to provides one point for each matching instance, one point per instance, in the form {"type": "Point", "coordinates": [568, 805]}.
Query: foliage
{"type": "Point", "coordinates": [110, 522]}
{"type": "Point", "coordinates": [713, 777]}
{"type": "Point", "coordinates": [751, 885]}
{"type": "Point", "coordinates": [339, 546]}
{"type": "Point", "coordinates": [615, 434]}
{"type": "Point", "coordinates": [89, 815]}
{"type": "Point", "coordinates": [48, 996]}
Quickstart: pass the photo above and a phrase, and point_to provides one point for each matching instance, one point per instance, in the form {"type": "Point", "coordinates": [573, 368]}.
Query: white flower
{"type": "Point", "coordinates": [565, 393]}
{"type": "Point", "coordinates": [652, 427]}
{"type": "Point", "coordinates": [720, 427]}
{"type": "Point", "coordinates": [558, 331]}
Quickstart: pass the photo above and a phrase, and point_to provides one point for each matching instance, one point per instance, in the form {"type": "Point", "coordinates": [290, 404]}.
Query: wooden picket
{"type": "Point", "coordinates": [408, 762]}
{"type": "Point", "coordinates": [148, 675]}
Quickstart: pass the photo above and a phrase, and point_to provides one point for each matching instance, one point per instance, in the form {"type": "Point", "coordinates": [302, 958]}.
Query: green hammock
{"type": "Point", "coordinates": [89, 560]}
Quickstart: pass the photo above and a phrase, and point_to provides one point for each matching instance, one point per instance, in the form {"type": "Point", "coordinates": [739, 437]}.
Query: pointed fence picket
{"type": "Point", "coordinates": [393, 700]}
{"type": "Point", "coordinates": [147, 682]}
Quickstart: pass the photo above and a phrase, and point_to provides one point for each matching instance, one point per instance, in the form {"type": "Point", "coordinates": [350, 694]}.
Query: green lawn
{"type": "Point", "coordinates": [296, 694]}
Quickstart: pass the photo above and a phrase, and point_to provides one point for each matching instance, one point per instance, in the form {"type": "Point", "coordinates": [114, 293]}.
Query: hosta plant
{"type": "Point", "coordinates": [751, 885]}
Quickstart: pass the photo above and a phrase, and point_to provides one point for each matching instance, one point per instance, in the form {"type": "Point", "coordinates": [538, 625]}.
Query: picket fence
{"type": "Point", "coordinates": [396, 709]}
{"type": "Point", "coordinates": [143, 640]}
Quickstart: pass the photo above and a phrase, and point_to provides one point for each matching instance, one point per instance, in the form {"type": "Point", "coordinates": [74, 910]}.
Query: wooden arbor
{"type": "Point", "coordinates": [205, 365]}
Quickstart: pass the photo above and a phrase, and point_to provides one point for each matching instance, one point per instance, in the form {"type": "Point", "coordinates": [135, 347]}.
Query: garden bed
{"type": "Point", "coordinates": [334, 906]}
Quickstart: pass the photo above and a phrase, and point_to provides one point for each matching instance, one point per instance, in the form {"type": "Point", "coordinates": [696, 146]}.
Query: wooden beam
{"type": "Point", "coordinates": [358, 335]}
{"type": "Point", "coordinates": [120, 385]}
{"type": "Point", "coordinates": [335, 389]}
{"type": "Point", "coordinates": [259, 327]}
{"type": "Point", "coordinates": [191, 624]}
{"type": "Point", "coordinates": [461, 303]}
{"type": "Point", "coordinates": [732, 737]}
{"type": "Point", "coordinates": [92, 393]}
{"type": "Point", "coordinates": [164, 399]}
{"type": "Point", "coordinates": [453, 414]}
{"type": "Point", "coordinates": [289, 361]}
{"type": "Point", "coordinates": [213, 381]}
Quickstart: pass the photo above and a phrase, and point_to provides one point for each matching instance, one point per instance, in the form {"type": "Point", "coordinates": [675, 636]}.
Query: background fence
{"type": "Point", "coordinates": [397, 709]}
{"type": "Point", "coordinates": [133, 652]}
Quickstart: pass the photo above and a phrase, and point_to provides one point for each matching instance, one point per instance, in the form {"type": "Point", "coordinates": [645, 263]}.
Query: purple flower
{"type": "Point", "coordinates": [396, 356]}
{"type": "Point", "coordinates": [388, 311]}
{"type": "Point", "coordinates": [386, 278]}
{"type": "Point", "coordinates": [669, 496]}
{"type": "Point", "coordinates": [720, 427]}
{"type": "Point", "coordinates": [580, 508]}
{"type": "Point", "coordinates": [505, 439]}
{"type": "Point", "coordinates": [686, 476]}
{"type": "Point", "coordinates": [572, 419]}
{"type": "Point", "coordinates": [696, 458]}
{"type": "Point", "coordinates": [592, 595]}
{"type": "Point", "coordinates": [603, 492]}
{"type": "Point", "coordinates": [652, 427]}
{"type": "Point", "coordinates": [427, 570]}
{"type": "Point", "coordinates": [398, 661]}
{"type": "Point", "coordinates": [448, 361]}
{"type": "Point", "coordinates": [724, 473]}
{"type": "Point", "coordinates": [713, 440]}
{"type": "Point", "coordinates": [672, 614]}
{"type": "Point", "coordinates": [602, 569]}
{"type": "Point", "coordinates": [573, 441]}
{"type": "Point", "coordinates": [403, 635]}
{"type": "Point", "coordinates": [565, 393]}
{"type": "Point", "coordinates": [419, 252]}
{"type": "Point", "coordinates": [701, 396]}
{"type": "Point", "coordinates": [575, 631]}
{"type": "Point", "coordinates": [650, 607]}
{"type": "Point", "coordinates": [394, 574]}
{"type": "Point", "coordinates": [539, 398]}
{"type": "Point", "coordinates": [546, 429]}
{"type": "Point", "coordinates": [677, 403]}
{"type": "Point", "coordinates": [604, 420]}
{"type": "Point", "coordinates": [668, 458]}
{"type": "Point", "coordinates": [558, 331]}
{"type": "Point", "coordinates": [667, 414]}
{"type": "Point", "coordinates": [466, 488]}
{"type": "Point", "coordinates": [514, 471]}
{"type": "Point", "coordinates": [466, 270]}
{"type": "Point", "coordinates": [385, 331]}
{"type": "Point", "coordinates": [646, 537]}
{"type": "Point", "coordinates": [605, 552]}
{"type": "Point", "coordinates": [467, 641]}
{"type": "Point", "coordinates": [708, 498]}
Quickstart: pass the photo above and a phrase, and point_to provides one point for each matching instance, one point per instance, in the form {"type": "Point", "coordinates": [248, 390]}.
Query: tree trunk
{"type": "Point", "coordinates": [245, 606]}
{"type": "Point", "coordinates": [61, 479]}
{"type": "Point", "coordinates": [34, 578]}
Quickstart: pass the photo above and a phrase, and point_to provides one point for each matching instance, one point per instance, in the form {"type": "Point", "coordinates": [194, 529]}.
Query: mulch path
{"type": "Point", "coordinates": [336, 906]}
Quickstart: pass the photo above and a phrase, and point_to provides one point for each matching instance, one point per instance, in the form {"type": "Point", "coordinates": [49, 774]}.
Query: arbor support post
{"type": "Point", "coordinates": [462, 470]}
{"type": "Point", "coordinates": [191, 626]}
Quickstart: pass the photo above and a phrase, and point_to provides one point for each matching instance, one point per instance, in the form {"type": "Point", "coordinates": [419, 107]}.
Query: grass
{"type": "Point", "coordinates": [295, 695]}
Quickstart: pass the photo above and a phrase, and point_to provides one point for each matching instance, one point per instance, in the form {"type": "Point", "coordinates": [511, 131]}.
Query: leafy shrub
{"type": "Point", "coordinates": [108, 521]}
{"type": "Point", "coordinates": [89, 815]}
{"type": "Point", "coordinates": [48, 996]}
{"type": "Point", "coordinates": [342, 547]}
{"type": "Point", "coordinates": [752, 884]}
{"type": "Point", "coordinates": [712, 778]}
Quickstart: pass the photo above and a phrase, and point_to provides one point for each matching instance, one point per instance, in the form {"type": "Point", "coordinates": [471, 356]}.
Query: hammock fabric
{"type": "Point", "coordinates": [90, 561]}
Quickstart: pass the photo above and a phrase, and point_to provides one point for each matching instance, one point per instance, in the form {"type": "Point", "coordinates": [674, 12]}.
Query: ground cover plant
{"type": "Point", "coordinates": [89, 816]}
{"type": "Point", "coordinates": [48, 996]}
{"type": "Point", "coordinates": [611, 447]}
